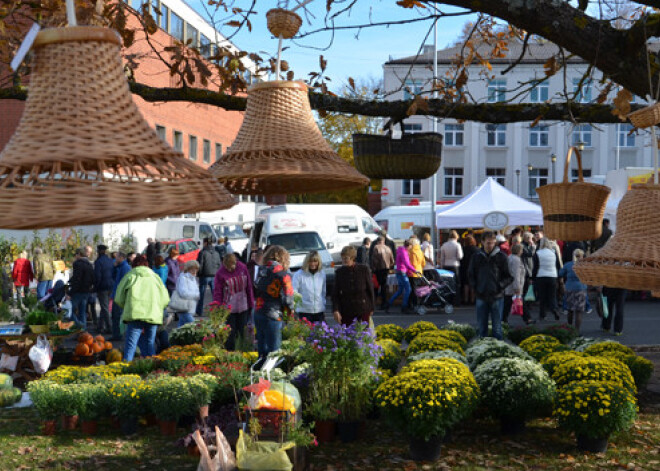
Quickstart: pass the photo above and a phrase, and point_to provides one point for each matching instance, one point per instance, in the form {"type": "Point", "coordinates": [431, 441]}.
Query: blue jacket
{"type": "Point", "coordinates": [573, 283]}
{"type": "Point", "coordinates": [103, 268]}
{"type": "Point", "coordinates": [162, 272]}
{"type": "Point", "coordinates": [122, 269]}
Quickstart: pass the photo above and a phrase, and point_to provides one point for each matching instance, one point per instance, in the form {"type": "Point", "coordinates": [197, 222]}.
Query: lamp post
{"type": "Point", "coordinates": [518, 182]}
{"type": "Point", "coordinates": [530, 167]}
{"type": "Point", "coordinates": [553, 159]}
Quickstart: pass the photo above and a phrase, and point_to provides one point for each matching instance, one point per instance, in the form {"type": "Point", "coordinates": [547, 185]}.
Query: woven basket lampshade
{"type": "Point", "coordinates": [631, 258]}
{"type": "Point", "coordinates": [83, 154]}
{"type": "Point", "coordinates": [279, 148]}
{"type": "Point", "coordinates": [283, 23]}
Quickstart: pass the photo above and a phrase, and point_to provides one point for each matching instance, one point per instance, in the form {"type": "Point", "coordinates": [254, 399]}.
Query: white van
{"type": "Point", "coordinates": [291, 231]}
{"type": "Point", "coordinates": [234, 231]}
{"type": "Point", "coordinates": [399, 221]}
{"type": "Point", "coordinates": [174, 229]}
{"type": "Point", "coordinates": [337, 224]}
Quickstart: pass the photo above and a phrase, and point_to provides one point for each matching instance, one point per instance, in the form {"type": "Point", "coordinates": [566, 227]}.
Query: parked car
{"type": "Point", "coordinates": [188, 249]}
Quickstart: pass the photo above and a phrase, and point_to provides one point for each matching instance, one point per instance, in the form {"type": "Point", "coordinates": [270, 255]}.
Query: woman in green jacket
{"type": "Point", "coordinates": [142, 295]}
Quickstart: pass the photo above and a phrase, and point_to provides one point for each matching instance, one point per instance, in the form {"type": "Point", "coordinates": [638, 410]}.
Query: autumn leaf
{"type": "Point", "coordinates": [322, 63]}
{"type": "Point", "coordinates": [602, 96]}
{"type": "Point", "coordinates": [410, 4]}
{"type": "Point", "coordinates": [551, 67]}
{"type": "Point", "coordinates": [462, 79]}
{"type": "Point", "coordinates": [351, 83]}
{"type": "Point", "coordinates": [536, 121]}
{"type": "Point", "coordinates": [622, 104]}
{"type": "Point", "coordinates": [233, 23]}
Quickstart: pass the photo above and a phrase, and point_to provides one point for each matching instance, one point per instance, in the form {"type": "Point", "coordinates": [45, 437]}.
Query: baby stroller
{"type": "Point", "coordinates": [436, 294]}
{"type": "Point", "coordinates": [54, 297]}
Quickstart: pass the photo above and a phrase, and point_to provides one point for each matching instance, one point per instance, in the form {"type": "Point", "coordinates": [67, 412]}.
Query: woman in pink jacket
{"type": "Point", "coordinates": [233, 286]}
{"type": "Point", "coordinates": [403, 269]}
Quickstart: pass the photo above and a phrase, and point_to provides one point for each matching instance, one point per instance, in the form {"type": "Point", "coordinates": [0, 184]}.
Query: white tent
{"type": "Point", "coordinates": [490, 197]}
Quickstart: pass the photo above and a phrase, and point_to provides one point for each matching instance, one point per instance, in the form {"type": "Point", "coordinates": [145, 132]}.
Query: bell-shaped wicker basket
{"type": "Point", "coordinates": [283, 23]}
{"type": "Point", "coordinates": [573, 211]}
{"type": "Point", "coordinates": [646, 117]}
{"type": "Point", "coordinates": [414, 156]}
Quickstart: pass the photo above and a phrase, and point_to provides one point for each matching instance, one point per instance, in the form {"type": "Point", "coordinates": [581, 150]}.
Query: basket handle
{"type": "Point", "coordinates": [567, 164]}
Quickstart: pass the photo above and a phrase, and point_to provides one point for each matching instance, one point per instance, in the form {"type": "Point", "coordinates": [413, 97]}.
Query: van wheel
{"type": "Point", "coordinates": [449, 309]}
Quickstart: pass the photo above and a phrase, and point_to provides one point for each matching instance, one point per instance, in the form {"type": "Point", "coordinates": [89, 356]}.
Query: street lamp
{"type": "Point", "coordinates": [553, 159]}
{"type": "Point", "coordinates": [518, 182]}
{"type": "Point", "coordinates": [530, 167]}
{"type": "Point", "coordinates": [580, 145]}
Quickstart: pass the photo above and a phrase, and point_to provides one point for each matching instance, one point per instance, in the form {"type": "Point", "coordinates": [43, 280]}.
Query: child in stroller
{"type": "Point", "coordinates": [436, 293]}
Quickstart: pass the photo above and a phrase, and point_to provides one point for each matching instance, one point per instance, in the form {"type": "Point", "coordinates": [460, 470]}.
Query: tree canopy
{"type": "Point", "coordinates": [613, 36]}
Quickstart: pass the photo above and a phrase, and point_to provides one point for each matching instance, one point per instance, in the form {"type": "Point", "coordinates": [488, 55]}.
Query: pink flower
{"type": "Point", "coordinates": [315, 442]}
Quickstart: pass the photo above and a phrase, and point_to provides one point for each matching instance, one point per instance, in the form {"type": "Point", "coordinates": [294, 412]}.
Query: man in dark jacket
{"type": "Point", "coordinates": [209, 264]}
{"type": "Point", "coordinates": [150, 252]}
{"type": "Point", "coordinates": [604, 236]}
{"type": "Point", "coordinates": [363, 252]}
{"type": "Point", "coordinates": [103, 282]}
{"type": "Point", "coordinates": [488, 275]}
{"type": "Point", "coordinates": [81, 285]}
{"type": "Point", "coordinates": [121, 268]}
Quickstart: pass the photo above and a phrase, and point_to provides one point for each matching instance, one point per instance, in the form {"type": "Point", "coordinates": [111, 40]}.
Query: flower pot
{"type": "Point", "coordinates": [594, 445]}
{"type": "Point", "coordinates": [128, 425]}
{"type": "Point", "coordinates": [89, 427]}
{"type": "Point", "coordinates": [69, 422]}
{"type": "Point", "coordinates": [151, 420]}
{"type": "Point", "coordinates": [167, 427]}
{"type": "Point", "coordinates": [39, 329]}
{"type": "Point", "coordinates": [325, 430]}
{"type": "Point", "coordinates": [425, 450]}
{"type": "Point", "coordinates": [49, 427]}
{"type": "Point", "coordinates": [348, 431]}
{"type": "Point", "coordinates": [509, 426]}
{"type": "Point", "coordinates": [203, 412]}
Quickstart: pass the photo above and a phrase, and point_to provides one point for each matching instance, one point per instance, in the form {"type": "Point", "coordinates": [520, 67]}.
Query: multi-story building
{"type": "Point", "coordinates": [518, 155]}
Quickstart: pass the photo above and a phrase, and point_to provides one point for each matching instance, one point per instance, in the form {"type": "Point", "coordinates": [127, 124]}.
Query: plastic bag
{"type": "Point", "coordinates": [8, 362]}
{"type": "Point", "coordinates": [224, 459]}
{"type": "Point", "coordinates": [606, 310]}
{"type": "Point", "coordinates": [529, 296]}
{"type": "Point", "coordinates": [289, 389]}
{"type": "Point", "coordinates": [41, 355]}
{"type": "Point", "coordinates": [262, 455]}
{"type": "Point", "coordinates": [517, 306]}
{"type": "Point", "coordinates": [275, 400]}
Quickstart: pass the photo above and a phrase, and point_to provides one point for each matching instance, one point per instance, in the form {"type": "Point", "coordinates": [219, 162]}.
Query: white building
{"type": "Point", "coordinates": [519, 156]}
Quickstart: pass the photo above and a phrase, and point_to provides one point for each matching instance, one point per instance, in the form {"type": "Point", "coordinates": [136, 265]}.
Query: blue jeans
{"type": "Point", "coordinates": [43, 287]}
{"type": "Point", "coordinates": [185, 318]}
{"type": "Point", "coordinates": [204, 281]}
{"type": "Point", "coordinates": [494, 310]}
{"type": "Point", "coordinates": [135, 337]}
{"type": "Point", "coordinates": [403, 286]}
{"type": "Point", "coordinates": [79, 303]}
{"type": "Point", "coordinates": [269, 334]}
{"type": "Point", "coordinates": [116, 319]}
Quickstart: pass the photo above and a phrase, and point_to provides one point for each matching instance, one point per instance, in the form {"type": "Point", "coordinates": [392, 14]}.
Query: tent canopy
{"type": "Point", "coordinates": [469, 211]}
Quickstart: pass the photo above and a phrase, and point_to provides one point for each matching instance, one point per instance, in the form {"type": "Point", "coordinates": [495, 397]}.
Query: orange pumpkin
{"type": "Point", "coordinates": [97, 347]}
{"type": "Point", "coordinates": [86, 338]}
{"type": "Point", "coordinates": [99, 339]}
{"type": "Point", "coordinates": [82, 349]}
{"type": "Point", "coordinates": [107, 346]}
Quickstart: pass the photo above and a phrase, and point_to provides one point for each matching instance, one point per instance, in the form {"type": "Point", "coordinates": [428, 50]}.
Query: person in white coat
{"type": "Point", "coordinates": [309, 282]}
{"type": "Point", "coordinates": [187, 289]}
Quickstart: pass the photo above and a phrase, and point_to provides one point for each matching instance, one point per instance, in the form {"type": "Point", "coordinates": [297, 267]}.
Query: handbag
{"type": "Point", "coordinates": [177, 303]}
{"type": "Point", "coordinates": [603, 302]}
{"type": "Point", "coordinates": [517, 306]}
{"type": "Point", "coordinates": [529, 296]}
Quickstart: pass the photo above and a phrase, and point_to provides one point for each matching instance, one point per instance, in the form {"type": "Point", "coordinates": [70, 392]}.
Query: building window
{"type": "Point", "coordinates": [581, 133]}
{"type": "Point", "coordinates": [454, 135]}
{"type": "Point", "coordinates": [453, 181]}
{"type": "Point", "coordinates": [624, 137]}
{"type": "Point", "coordinates": [161, 131]}
{"type": "Point", "coordinates": [499, 174]}
{"type": "Point", "coordinates": [586, 173]}
{"type": "Point", "coordinates": [496, 90]}
{"type": "Point", "coordinates": [191, 35]}
{"type": "Point", "coordinates": [583, 95]}
{"type": "Point", "coordinates": [412, 128]}
{"type": "Point", "coordinates": [177, 139]}
{"type": "Point", "coordinates": [206, 149]}
{"type": "Point", "coordinates": [496, 135]}
{"type": "Point", "coordinates": [537, 177]}
{"type": "Point", "coordinates": [136, 4]}
{"type": "Point", "coordinates": [540, 92]}
{"type": "Point", "coordinates": [176, 27]}
{"type": "Point", "coordinates": [218, 151]}
{"type": "Point", "coordinates": [539, 136]}
{"type": "Point", "coordinates": [411, 88]}
{"type": "Point", "coordinates": [205, 47]}
{"type": "Point", "coordinates": [164, 18]}
{"type": "Point", "coordinates": [411, 187]}
{"type": "Point", "coordinates": [192, 147]}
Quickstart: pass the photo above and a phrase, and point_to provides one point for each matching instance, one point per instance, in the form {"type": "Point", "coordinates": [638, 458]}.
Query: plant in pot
{"type": "Point", "coordinates": [46, 397]}
{"type": "Point", "coordinates": [417, 328]}
{"type": "Point", "coordinates": [466, 330]}
{"type": "Point", "coordinates": [593, 410]}
{"type": "Point", "coordinates": [540, 345]}
{"type": "Point", "coordinates": [437, 355]}
{"type": "Point", "coordinates": [427, 342]}
{"type": "Point", "coordinates": [389, 331]}
{"type": "Point", "coordinates": [69, 405]}
{"type": "Point", "coordinates": [553, 360]}
{"type": "Point", "coordinates": [324, 419]}
{"type": "Point", "coordinates": [596, 369]}
{"type": "Point", "coordinates": [93, 404]}
{"type": "Point", "coordinates": [39, 319]}
{"type": "Point", "coordinates": [170, 397]}
{"type": "Point", "coordinates": [515, 390]}
{"type": "Point", "coordinates": [202, 388]}
{"type": "Point", "coordinates": [489, 348]}
{"type": "Point", "coordinates": [391, 355]}
{"type": "Point", "coordinates": [426, 403]}
{"type": "Point", "coordinates": [126, 395]}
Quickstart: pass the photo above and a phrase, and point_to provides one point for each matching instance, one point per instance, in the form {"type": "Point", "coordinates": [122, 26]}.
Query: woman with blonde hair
{"type": "Point", "coordinates": [274, 299]}
{"type": "Point", "coordinates": [309, 282]}
{"type": "Point", "coordinates": [547, 264]}
{"type": "Point", "coordinates": [353, 297]}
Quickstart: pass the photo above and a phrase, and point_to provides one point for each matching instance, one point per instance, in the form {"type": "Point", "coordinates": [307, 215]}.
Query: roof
{"type": "Point", "coordinates": [536, 53]}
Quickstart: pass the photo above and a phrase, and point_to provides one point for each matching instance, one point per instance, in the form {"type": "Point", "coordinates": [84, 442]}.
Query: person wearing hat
{"type": "Point", "coordinates": [503, 244]}
{"type": "Point", "coordinates": [103, 282]}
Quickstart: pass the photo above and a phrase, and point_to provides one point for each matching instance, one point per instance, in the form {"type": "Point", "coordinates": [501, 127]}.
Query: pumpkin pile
{"type": "Point", "coordinates": [88, 345]}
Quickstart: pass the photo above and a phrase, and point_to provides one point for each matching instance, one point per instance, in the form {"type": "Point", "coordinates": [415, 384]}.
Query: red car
{"type": "Point", "coordinates": [187, 248]}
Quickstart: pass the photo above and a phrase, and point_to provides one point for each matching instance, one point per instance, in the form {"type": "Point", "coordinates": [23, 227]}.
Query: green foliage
{"type": "Point", "coordinates": [5, 311]}
{"type": "Point", "coordinates": [93, 401]}
{"type": "Point", "coordinates": [541, 345]}
{"type": "Point", "coordinates": [424, 343]}
{"type": "Point", "coordinates": [169, 397]}
{"type": "Point", "coordinates": [46, 397]}
{"type": "Point", "coordinates": [191, 333]}
{"type": "Point", "coordinates": [417, 328]}
{"type": "Point", "coordinates": [552, 360]}
{"type": "Point", "coordinates": [140, 366]}
{"type": "Point", "coordinates": [389, 331]}
{"type": "Point", "coordinates": [391, 355]}
{"type": "Point", "coordinates": [640, 367]}
{"type": "Point", "coordinates": [40, 317]}
{"type": "Point", "coordinates": [594, 369]}
{"type": "Point", "coordinates": [563, 332]}
{"type": "Point", "coordinates": [519, 334]}
{"type": "Point", "coordinates": [466, 330]}
{"type": "Point", "coordinates": [437, 355]}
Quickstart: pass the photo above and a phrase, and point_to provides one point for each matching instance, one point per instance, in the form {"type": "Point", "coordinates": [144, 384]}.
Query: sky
{"type": "Point", "coordinates": [360, 57]}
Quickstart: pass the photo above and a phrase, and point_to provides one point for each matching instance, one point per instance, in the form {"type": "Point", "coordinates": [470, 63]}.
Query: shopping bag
{"type": "Point", "coordinates": [529, 296]}
{"type": "Point", "coordinates": [517, 306]}
{"type": "Point", "coordinates": [41, 355]}
{"type": "Point", "coordinates": [262, 455]}
{"type": "Point", "coordinates": [224, 459]}
{"type": "Point", "coordinates": [606, 310]}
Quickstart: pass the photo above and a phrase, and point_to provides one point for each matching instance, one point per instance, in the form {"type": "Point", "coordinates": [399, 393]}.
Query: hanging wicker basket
{"type": "Point", "coordinates": [646, 117]}
{"type": "Point", "coordinates": [631, 258]}
{"type": "Point", "coordinates": [573, 211]}
{"type": "Point", "coordinates": [283, 23]}
{"type": "Point", "coordinates": [414, 156]}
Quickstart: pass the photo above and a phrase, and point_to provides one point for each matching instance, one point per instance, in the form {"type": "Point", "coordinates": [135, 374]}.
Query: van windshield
{"type": "Point", "coordinates": [233, 231]}
{"type": "Point", "coordinates": [298, 242]}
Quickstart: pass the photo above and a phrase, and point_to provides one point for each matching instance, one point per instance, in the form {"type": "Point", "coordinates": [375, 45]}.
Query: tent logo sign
{"type": "Point", "coordinates": [496, 220]}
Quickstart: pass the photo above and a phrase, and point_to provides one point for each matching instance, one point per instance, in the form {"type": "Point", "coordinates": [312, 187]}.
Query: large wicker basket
{"type": "Point", "coordinates": [631, 258]}
{"type": "Point", "coordinates": [414, 156]}
{"type": "Point", "coordinates": [573, 211]}
{"type": "Point", "coordinates": [646, 117]}
{"type": "Point", "coordinates": [283, 23]}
